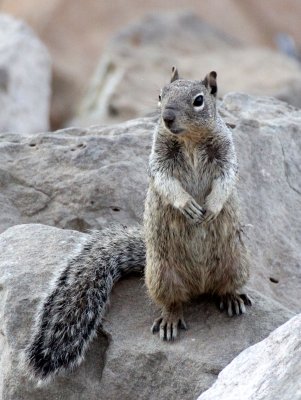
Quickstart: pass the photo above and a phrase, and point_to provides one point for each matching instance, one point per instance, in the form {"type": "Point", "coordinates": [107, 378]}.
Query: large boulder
{"type": "Point", "coordinates": [269, 370]}
{"type": "Point", "coordinates": [25, 73]}
{"type": "Point", "coordinates": [87, 178]}
{"type": "Point", "coordinates": [137, 63]}
{"type": "Point", "coordinates": [125, 361]}
{"type": "Point", "coordinates": [76, 178]}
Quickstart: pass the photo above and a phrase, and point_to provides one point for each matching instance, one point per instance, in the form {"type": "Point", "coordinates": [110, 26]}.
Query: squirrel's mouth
{"type": "Point", "coordinates": [176, 131]}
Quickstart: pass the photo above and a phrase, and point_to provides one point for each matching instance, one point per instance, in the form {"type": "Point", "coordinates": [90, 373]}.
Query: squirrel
{"type": "Point", "coordinates": [190, 243]}
{"type": "Point", "coordinates": [191, 220]}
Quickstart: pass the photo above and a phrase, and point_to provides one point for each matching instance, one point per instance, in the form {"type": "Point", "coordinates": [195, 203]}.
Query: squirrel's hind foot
{"type": "Point", "coordinates": [234, 304]}
{"type": "Point", "coordinates": [168, 324]}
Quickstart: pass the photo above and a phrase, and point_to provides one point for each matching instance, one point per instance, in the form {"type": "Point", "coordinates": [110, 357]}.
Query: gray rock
{"type": "Point", "coordinates": [138, 60]}
{"type": "Point", "coordinates": [25, 73]}
{"type": "Point", "coordinates": [76, 178]}
{"type": "Point", "coordinates": [269, 370]}
{"type": "Point", "coordinates": [268, 141]}
{"type": "Point", "coordinates": [125, 361]}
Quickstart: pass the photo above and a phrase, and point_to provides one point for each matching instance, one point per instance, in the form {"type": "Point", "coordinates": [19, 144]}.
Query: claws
{"type": "Point", "coordinates": [246, 299]}
{"type": "Point", "coordinates": [193, 211]}
{"type": "Point", "coordinates": [156, 325]}
{"type": "Point", "coordinates": [209, 216]}
{"type": "Point", "coordinates": [168, 327]}
{"type": "Point", "coordinates": [234, 304]}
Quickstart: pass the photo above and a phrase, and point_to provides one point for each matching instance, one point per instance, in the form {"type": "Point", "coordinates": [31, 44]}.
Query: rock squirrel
{"type": "Point", "coordinates": [191, 221]}
{"type": "Point", "coordinates": [191, 242]}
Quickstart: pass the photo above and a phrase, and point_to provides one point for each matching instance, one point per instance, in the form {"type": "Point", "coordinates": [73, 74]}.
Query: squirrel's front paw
{"type": "Point", "coordinates": [209, 215]}
{"type": "Point", "coordinates": [211, 211]}
{"type": "Point", "coordinates": [192, 211]}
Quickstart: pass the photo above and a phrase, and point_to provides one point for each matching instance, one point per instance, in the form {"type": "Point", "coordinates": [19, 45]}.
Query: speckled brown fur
{"type": "Point", "coordinates": [191, 220]}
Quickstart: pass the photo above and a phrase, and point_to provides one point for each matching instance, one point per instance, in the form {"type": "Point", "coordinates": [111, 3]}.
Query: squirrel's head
{"type": "Point", "coordinates": [188, 106]}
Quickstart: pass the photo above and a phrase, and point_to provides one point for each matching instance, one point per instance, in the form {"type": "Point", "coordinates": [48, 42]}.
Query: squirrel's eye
{"type": "Point", "coordinates": [160, 98]}
{"type": "Point", "coordinates": [198, 101]}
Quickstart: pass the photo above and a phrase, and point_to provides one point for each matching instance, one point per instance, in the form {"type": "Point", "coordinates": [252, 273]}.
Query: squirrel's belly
{"type": "Point", "coordinates": [176, 249]}
{"type": "Point", "coordinates": [169, 233]}
{"type": "Point", "coordinates": [195, 255]}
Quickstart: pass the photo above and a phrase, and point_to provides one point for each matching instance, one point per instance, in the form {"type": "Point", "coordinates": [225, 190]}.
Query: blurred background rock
{"type": "Point", "coordinates": [76, 33]}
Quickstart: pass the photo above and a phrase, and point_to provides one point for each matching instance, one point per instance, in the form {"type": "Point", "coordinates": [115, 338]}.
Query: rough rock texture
{"type": "Point", "coordinates": [269, 370]}
{"type": "Point", "coordinates": [25, 72]}
{"type": "Point", "coordinates": [268, 142]}
{"type": "Point", "coordinates": [127, 362]}
{"type": "Point", "coordinates": [76, 178]}
{"type": "Point", "coordinates": [137, 63]}
{"type": "Point", "coordinates": [86, 178]}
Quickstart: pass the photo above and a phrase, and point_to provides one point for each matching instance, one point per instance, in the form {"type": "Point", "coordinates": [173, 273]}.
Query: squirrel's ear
{"type": "Point", "coordinates": [174, 74]}
{"type": "Point", "coordinates": [210, 82]}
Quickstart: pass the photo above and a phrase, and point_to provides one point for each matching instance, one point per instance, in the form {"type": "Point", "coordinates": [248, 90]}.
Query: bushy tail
{"type": "Point", "coordinates": [74, 310]}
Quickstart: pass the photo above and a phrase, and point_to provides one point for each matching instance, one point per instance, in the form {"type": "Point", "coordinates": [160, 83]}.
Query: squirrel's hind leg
{"type": "Point", "coordinates": [169, 322]}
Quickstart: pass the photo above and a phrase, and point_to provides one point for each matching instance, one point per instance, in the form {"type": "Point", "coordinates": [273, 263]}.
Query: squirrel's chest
{"type": "Point", "coordinates": [195, 171]}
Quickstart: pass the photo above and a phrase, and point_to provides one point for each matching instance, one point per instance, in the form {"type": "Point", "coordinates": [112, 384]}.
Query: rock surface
{"type": "Point", "coordinates": [125, 361]}
{"type": "Point", "coordinates": [269, 370]}
{"type": "Point", "coordinates": [76, 178]}
{"type": "Point", "coordinates": [268, 143]}
{"type": "Point", "coordinates": [25, 73]}
{"type": "Point", "coordinates": [138, 60]}
{"type": "Point", "coordinates": [87, 178]}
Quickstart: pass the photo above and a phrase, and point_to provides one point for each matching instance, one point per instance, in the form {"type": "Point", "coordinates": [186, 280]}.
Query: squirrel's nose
{"type": "Point", "coordinates": [168, 117]}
